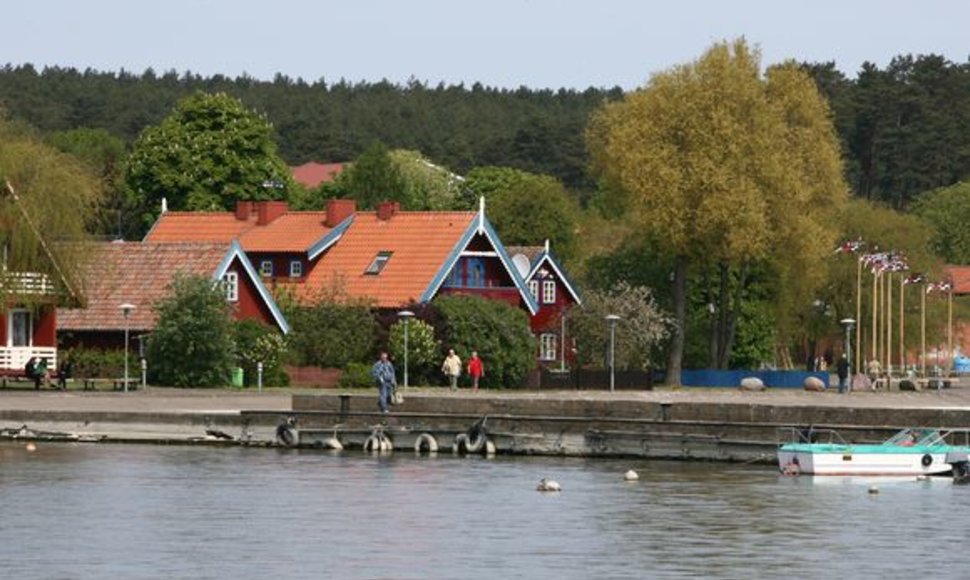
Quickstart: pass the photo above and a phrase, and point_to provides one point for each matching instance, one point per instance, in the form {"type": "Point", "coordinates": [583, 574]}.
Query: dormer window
{"type": "Point", "coordinates": [534, 289]}
{"type": "Point", "coordinates": [266, 268]}
{"type": "Point", "coordinates": [378, 264]}
{"type": "Point", "coordinates": [548, 292]}
{"type": "Point", "coordinates": [231, 283]}
{"type": "Point", "coordinates": [296, 268]}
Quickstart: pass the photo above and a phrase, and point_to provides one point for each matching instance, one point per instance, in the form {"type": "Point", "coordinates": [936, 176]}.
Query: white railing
{"type": "Point", "coordinates": [27, 283]}
{"type": "Point", "coordinates": [16, 357]}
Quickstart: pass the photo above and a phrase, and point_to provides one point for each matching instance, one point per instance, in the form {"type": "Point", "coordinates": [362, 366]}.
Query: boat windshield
{"type": "Point", "coordinates": [916, 437]}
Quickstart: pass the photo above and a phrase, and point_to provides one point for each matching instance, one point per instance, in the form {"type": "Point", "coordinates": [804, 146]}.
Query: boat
{"type": "Point", "coordinates": [917, 451]}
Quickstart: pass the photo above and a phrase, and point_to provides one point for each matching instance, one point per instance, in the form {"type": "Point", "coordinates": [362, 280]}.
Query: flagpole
{"type": "Point", "coordinates": [902, 325]}
{"type": "Point", "coordinates": [889, 323]}
{"type": "Point", "coordinates": [922, 331]}
{"type": "Point", "coordinates": [858, 318]}
{"type": "Point", "coordinates": [949, 328]}
{"type": "Point", "coordinates": [875, 314]}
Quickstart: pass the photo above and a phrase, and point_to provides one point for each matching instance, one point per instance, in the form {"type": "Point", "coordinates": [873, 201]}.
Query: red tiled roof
{"type": "Point", "coordinates": [312, 174]}
{"type": "Point", "coordinates": [291, 232]}
{"type": "Point", "coordinates": [420, 243]}
{"type": "Point", "coordinates": [961, 278]}
{"type": "Point", "coordinates": [136, 273]}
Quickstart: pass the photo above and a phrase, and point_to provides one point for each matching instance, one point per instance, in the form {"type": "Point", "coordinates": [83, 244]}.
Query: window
{"type": "Point", "coordinates": [296, 268]}
{"type": "Point", "coordinates": [454, 277]}
{"type": "Point", "coordinates": [547, 347]}
{"type": "Point", "coordinates": [378, 264]}
{"type": "Point", "coordinates": [534, 288]}
{"type": "Point", "coordinates": [476, 273]}
{"type": "Point", "coordinates": [231, 282]}
{"type": "Point", "coordinates": [548, 291]}
{"type": "Point", "coordinates": [266, 268]}
{"type": "Point", "coordinates": [20, 331]}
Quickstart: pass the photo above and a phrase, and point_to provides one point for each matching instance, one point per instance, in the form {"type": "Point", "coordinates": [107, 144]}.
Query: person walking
{"type": "Point", "coordinates": [452, 368]}
{"type": "Point", "coordinates": [842, 369]}
{"type": "Point", "coordinates": [383, 374]}
{"type": "Point", "coordinates": [476, 370]}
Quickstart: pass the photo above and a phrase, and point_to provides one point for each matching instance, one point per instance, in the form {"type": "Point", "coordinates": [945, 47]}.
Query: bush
{"type": "Point", "coordinates": [423, 351]}
{"type": "Point", "coordinates": [257, 343]}
{"type": "Point", "coordinates": [192, 344]}
{"type": "Point", "coordinates": [356, 375]}
{"type": "Point", "coordinates": [498, 331]}
{"type": "Point", "coordinates": [99, 363]}
{"type": "Point", "coordinates": [332, 331]}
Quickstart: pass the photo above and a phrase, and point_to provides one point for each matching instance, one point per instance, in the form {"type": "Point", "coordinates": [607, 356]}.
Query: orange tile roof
{"type": "Point", "coordinates": [420, 241]}
{"type": "Point", "coordinates": [136, 273]}
{"type": "Point", "coordinates": [312, 174]}
{"type": "Point", "coordinates": [293, 231]}
{"type": "Point", "coordinates": [961, 278]}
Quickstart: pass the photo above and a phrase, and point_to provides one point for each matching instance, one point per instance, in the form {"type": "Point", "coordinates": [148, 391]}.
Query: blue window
{"type": "Point", "coordinates": [476, 273]}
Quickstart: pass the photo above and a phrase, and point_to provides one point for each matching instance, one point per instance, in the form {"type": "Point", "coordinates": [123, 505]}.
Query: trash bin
{"type": "Point", "coordinates": [237, 377]}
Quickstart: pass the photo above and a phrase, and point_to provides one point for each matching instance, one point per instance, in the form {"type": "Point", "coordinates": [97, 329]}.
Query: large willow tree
{"type": "Point", "coordinates": [734, 171]}
{"type": "Point", "coordinates": [47, 199]}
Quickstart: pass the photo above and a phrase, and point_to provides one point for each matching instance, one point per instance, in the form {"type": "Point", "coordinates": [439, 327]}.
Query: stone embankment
{"type": "Point", "coordinates": [691, 424]}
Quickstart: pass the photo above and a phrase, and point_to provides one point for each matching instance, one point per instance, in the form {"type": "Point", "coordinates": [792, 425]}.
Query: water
{"type": "Point", "coordinates": [134, 512]}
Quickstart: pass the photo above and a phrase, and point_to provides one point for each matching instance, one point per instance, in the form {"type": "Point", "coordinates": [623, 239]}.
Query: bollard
{"type": "Point", "coordinates": [144, 373]}
{"type": "Point", "coordinates": [259, 377]}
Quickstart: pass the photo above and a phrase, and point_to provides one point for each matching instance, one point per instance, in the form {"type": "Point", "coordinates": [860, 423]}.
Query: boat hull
{"type": "Point", "coordinates": [848, 461]}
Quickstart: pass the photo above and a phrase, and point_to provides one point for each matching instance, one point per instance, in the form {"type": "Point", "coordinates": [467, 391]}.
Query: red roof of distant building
{"type": "Point", "coordinates": [960, 275]}
{"type": "Point", "coordinates": [312, 174]}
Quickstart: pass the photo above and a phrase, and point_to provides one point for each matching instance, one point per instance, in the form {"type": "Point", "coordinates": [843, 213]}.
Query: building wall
{"type": "Point", "coordinates": [45, 327]}
{"type": "Point", "coordinates": [249, 304]}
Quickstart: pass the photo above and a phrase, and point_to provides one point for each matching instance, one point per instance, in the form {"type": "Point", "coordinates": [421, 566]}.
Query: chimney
{"type": "Point", "coordinates": [338, 210]}
{"type": "Point", "coordinates": [268, 211]}
{"type": "Point", "coordinates": [387, 209]}
{"type": "Point", "coordinates": [244, 209]}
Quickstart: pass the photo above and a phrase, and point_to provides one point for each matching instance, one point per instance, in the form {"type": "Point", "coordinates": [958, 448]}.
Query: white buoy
{"type": "Point", "coordinates": [31, 447]}
{"type": "Point", "coordinates": [630, 476]}
{"type": "Point", "coordinates": [873, 490]}
{"type": "Point", "coordinates": [548, 485]}
{"type": "Point", "coordinates": [922, 478]}
{"type": "Point", "coordinates": [333, 443]}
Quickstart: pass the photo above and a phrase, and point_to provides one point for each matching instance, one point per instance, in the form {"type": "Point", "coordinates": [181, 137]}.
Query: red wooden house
{"type": "Point", "coordinates": [140, 273]}
{"type": "Point", "coordinates": [388, 256]}
{"type": "Point", "coordinates": [28, 320]}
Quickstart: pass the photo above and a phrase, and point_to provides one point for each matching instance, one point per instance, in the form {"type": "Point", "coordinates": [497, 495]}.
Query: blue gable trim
{"type": "Point", "coordinates": [481, 223]}
{"type": "Point", "coordinates": [567, 282]}
{"type": "Point", "coordinates": [329, 239]}
{"type": "Point", "coordinates": [236, 251]}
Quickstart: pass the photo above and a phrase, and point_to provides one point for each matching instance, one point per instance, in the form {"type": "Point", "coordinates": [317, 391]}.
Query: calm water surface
{"type": "Point", "coordinates": [132, 512]}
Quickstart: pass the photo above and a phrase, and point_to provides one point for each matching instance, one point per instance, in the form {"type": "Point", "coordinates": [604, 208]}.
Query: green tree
{"type": "Point", "coordinates": [427, 186]}
{"type": "Point", "coordinates": [192, 344]}
{"type": "Point", "coordinates": [423, 350]}
{"type": "Point", "coordinates": [948, 210]}
{"type": "Point", "coordinates": [730, 167]}
{"type": "Point", "coordinates": [332, 330]}
{"type": "Point", "coordinates": [527, 209]}
{"type": "Point", "coordinates": [371, 179]}
{"type": "Point", "coordinates": [498, 331]}
{"type": "Point", "coordinates": [257, 343]}
{"type": "Point", "coordinates": [209, 153]}
{"type": "Point", "coordinates": [45, 197]}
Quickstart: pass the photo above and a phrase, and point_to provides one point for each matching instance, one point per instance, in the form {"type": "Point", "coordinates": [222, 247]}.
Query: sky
{"type": "Point", "coordinates": [502, 43]}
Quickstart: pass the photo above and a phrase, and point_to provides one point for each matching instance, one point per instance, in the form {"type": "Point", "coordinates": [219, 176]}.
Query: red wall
{"type": "Point", "coordinates": [281, 265]}
{"type": "Point", "coordinates": [249, 304]}
{"type": "Point", "coordinates": [45, 327]}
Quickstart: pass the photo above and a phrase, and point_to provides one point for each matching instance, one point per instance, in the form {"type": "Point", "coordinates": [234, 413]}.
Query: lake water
{"type": "Point", "coordinates": [133, 512]}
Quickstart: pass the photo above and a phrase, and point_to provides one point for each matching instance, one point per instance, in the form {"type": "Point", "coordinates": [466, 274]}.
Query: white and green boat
{"type": "Point", "coordinates": [909, 452]}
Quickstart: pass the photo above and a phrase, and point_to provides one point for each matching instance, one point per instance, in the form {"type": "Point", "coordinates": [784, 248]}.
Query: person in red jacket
{"type": "Point", "coordinates": [476, 369]}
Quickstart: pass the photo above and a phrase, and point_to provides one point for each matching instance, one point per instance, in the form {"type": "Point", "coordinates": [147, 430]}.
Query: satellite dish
{"type": "Point", "coordinates": [522, 264]}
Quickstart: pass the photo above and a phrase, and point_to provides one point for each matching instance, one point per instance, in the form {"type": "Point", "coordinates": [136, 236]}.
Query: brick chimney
{"type": "Point", "coordinates": [268, 211]}
{"type": "Point", "coordinates": [387, 209]}
{"type": "Point", "coordinates": [338, 210]}
{"type": "Point", "coordinates": [244, 209]}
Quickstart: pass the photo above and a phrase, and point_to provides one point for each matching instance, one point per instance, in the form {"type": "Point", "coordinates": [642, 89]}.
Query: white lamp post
{"type": "Point", "coordinates": [405, 315]}
{"type": "Point", "coordinates": [126, 309]}
{"type": "Point", "coordinates": [611, 320]}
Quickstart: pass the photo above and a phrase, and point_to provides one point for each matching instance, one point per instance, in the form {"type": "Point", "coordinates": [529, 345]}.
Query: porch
{"type": "Point", "coordinates": [14, 358]}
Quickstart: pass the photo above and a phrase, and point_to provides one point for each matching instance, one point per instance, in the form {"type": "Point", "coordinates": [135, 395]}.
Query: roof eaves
{"type": "Point", "coordinates": [329, 239]}
{"type": "Point", "coordinates": [507, 263]}
{"type": "Point", "coordinates": [456, 251]}
{"type": "Point", "coordinates": [236, 251]}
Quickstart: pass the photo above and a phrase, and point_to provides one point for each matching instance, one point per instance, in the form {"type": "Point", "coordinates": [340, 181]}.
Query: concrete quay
{"type": "Point", "coordinates": [712, 424]}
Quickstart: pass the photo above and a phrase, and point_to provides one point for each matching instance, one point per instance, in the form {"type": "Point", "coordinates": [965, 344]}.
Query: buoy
{"type": "Point", "coordinates": [873, 490]}
{"type": "Point", "coordinates": [922, 478]}
{"type": "Point", "coordinates": [31, 447]}
{"type": "Point", "coordinates": [548, 485]}
{"type": "Point", "coordinates": [489, 448]}
{"type": "Point", "coordinates": [630, 476]}
{"type": "Point", "coordinates": [333, 443]}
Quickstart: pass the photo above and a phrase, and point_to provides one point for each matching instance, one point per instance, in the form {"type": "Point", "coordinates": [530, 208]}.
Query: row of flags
{"type": "Point", "coordinates": [880, 262]}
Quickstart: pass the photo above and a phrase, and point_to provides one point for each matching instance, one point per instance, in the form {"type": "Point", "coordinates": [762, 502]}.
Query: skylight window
{"type": "Point", "coordinates": [378, 264]}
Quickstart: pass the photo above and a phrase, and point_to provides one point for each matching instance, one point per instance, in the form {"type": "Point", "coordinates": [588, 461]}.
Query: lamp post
{"type": "Point", "coordinates": [126, 309]}
{"type": "Point", "coordinates": [848, 323]}
{"type": "Point", "coordinates": [406, 316]}
{"type": "Point", "coordinates": [611, 320]}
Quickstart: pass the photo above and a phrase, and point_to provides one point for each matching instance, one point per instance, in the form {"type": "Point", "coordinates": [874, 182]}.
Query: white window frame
{"type": "Point", "coordinates": [231, 282]}
{"type": "Point", "coordinates": [534, 289]}
{"type": "Point", "coordinates": [548, 347]}
{"type": "Point", "coordinates": [548, 291]}
{"type": "Point", "coordinates": [12, 315]}
{"type": "Point", "coordinates": [296, 268]}
{"type": "Point", "coordinates": [266, 268]}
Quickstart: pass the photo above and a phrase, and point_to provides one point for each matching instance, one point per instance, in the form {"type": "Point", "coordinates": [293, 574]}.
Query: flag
{"type": "Point", "coordinates": [915, 279]}
{"type": "Point", "coordinates": [850, 246]}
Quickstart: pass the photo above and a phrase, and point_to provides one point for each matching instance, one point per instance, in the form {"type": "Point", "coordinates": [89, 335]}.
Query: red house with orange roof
{"type": "Point", "coordinates": [389, 256]}
{"type": "Point", "coordinates": [311, 174]}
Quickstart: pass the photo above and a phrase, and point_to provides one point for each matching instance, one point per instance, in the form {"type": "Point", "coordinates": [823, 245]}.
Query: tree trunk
{"type": "Point", "coordinates": [723, 312]}
{"type": "Point", "coordinates": [676, 355]}
{"type": "Point", "coordinates": [712, 321]}
{"type": "Point", "coordinates": [731, 331]}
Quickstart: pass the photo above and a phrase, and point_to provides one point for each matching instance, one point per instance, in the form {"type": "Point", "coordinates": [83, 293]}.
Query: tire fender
{"type": "Point", "coordinates": [426, 441]}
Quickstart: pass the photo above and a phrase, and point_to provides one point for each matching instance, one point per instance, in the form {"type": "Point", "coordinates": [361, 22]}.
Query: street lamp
{"type": "Point", "coordinates": [405, 315]}
{"type": "Point", "coordinates": [848, 323]}
{"type": "Point", "coordinates": [126, 309]}
{"type": "Point", "coordinates": [611, 320]}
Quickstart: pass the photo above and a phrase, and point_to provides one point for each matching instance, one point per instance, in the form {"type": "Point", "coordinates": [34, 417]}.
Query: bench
{"type": "Point", "coordinates": [119, 384]}
{"type": "Point", "coordinates": [15, 377]}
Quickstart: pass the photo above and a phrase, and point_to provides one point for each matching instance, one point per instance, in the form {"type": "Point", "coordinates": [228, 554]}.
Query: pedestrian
{"type": "Point", "coordinates": [452, 368]}
{"type": "Point", "coordinates": [842, 369]}
{"type": "Point", "coordinates": [476, 369]}
{"type": "Point", "coordinates": [383, 374]}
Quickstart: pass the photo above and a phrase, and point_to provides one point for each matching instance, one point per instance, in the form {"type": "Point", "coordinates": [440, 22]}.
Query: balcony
{"type": "Point", "coordinates": [22, 283]}
{"type": "Point", "coordinates": [14, 358]}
